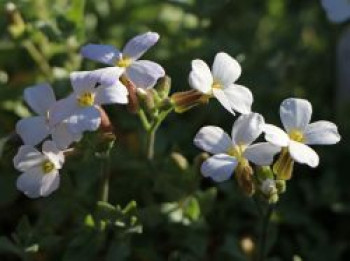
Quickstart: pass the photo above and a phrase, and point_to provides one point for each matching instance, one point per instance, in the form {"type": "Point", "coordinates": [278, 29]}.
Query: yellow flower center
{"type": "Point", "coordinates": [47, 166]}
{"type": "Point", "coordinates": [86, 99]}
{"type": "Point", "coordinates": [216, 85]}
{"type": "Point", "coordinates": [237, 152]}
{"type": "Point", "coordinates": [296, 135]}
{"type": "Point", "coordinates": [124, 62]}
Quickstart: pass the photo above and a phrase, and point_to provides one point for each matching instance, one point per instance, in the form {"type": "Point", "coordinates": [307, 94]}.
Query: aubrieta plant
{"type": "Point", "coordinates": [261, 168]}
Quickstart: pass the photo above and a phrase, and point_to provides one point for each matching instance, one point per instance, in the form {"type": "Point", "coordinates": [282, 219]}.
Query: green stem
{"type": "Point", "coordinates": [151, 137]}
{"type": "Point", "coordinates": [263, 236]}
{"type": "Point", "coordinates": [38, 58]}
{"type": "Point", "coordinates": [106, 172]}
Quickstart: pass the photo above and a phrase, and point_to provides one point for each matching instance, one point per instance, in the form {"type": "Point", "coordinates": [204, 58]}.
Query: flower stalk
{"type": "Point", "coordinates": [261, 253]}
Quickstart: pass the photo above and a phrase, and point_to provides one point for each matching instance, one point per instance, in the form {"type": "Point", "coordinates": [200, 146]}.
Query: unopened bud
{"type": "Point", "coordinates": [268, 187]}
{"type": "Point", "coordinates": [283, 167]}
{"type": "Point", "coordinates": [199, 159]}
{"type": "Point", "coordinates": [16, 24]}
{"type": "Point", "coordinates": [179, 160]}
{"type": "Point", "coordinates": [263, 173]}
{"type": "Point", "coordinates": [273, 199]}
{"type": "Point", "coordinates": [183, 101]}
{"type": "Point", "coordinates": [244, 177]}
{"type": "Point", "coordinates": [281, 186]}
{"type": "Point", "coordinates": [163, 87]}
{"type": "Point", "coordinates": [106, 124]}
{"type": "Point", "coordinates": [133, 104]}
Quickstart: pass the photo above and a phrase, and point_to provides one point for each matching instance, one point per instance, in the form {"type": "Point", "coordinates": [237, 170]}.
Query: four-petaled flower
{"type": "Point", "coordinates": [34, 130]}
{"type": "Point", "coordinates": [338, 11]}
{"type": "Point", "coordinates": [90, 90]}
{"type": "Point", "coordinates": [143, 73]}
{"type": "Point", "coordinates": [295, 116]}
{"type": "Point", "coordinates": [237, 151]}
{"type": "Point", "coordinates": [40, 175]}
{"type": "Point", "coordinates": [220, 83]}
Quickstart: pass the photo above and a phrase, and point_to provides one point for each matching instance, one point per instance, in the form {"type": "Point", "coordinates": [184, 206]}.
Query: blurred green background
{"type": "Point", "coordinates": [286, 48]}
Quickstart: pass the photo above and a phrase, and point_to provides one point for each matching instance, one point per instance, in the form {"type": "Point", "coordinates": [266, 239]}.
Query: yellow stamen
{"type": "Point", "coordinates": [237, 152]}
{"type": "Point", "coordinates": [47, 166]}
{"type": "Point", "coordinates": [296, 135]}
{"type": "Point", "coordinates": [86, 99]}
{"type": "Point", "coordinates": [216, 85]}
{"type": "Point", "coordinates": [124, 62]}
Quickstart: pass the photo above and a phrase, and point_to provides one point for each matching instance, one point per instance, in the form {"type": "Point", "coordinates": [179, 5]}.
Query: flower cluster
{"type": "Point", "coordinates": [129, 80]}
{"type": "Point", "coordinates": [60, 123]}
{"type": "Point", "coordinates": [236, 153]}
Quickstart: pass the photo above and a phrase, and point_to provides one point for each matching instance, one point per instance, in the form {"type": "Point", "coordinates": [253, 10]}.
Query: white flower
{"type": "Point", "coordinates": [40, 175]}
{"type": "Point", "coordinates": [230, 152]}
{"type": "Point", "coordinates": [90, 90]}
{"type": "Point", "coordinates": [296, 115]}
{"type": "Point", "coordinates": [143, 73]}
{"type": "Point", "coordinates": [34, 130]}
{"type": "Point", "coordinates": [220, 82]}
{"type": "Point", "coordinates": [338, 11]}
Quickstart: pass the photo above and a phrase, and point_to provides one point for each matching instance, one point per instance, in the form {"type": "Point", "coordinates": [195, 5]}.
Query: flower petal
{"type": "Point", "coordinates": [112, 94]}
{"type": "Point", "coordinates": [82, 82]}
{"type": "Point", "coordinates": [295, 114]}
{"type": "Point", "coordinates": [33, 130]}
{"type": "Point", "coordinates": [40, 98]}
{"type": "Point", "coordinates": [84, 119]}
{"type": "Point", "coordinates": [219, 167]}
{"type": "Point", "coordinates": [213, 139]}
{"type": "Point", "coordinates": [321, 132]}
{"type": "Point", "coordinates": [240, 98]}
{"type": "Point", "coordinates": [27, 157]}
{"type": "Point", "coordinates": [63, 137]}
{"type": "Point", "coordinates": [107, 54]}
{"type": "Point", "coordinates": [138, 45]}
{"type": "Point", "coordinates": [275, 135]}
{"type": "Point", "coordinates": [144, 74]}
{"type": "Point", "coordinates": [222, 98]}
{"type": "Point", "coordinates": [53, 153]}
{"type": "Point", "coordinates": [261, 153]}
{"type": "Point", "coordinates": [247, 128]}
{"type": "Point", "coordinates": [226, 69]}
{"type": "Point", "coordinates": [303, 154]}
{"type": "Point", "coordinates": [49, 183]}
{"type": "Point", "coordinates": [200, 77]}
{"type": "Point", "coordinates": [30, 182]}
{"type": "Point", "coordinates": [337, 11]}
{"type": "Point", "coordinates": [63, 109]}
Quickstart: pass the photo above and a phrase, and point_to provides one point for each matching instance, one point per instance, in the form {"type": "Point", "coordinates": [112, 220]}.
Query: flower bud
{"type": "Point", "coordinates": [183, 101]}
{"type": "Point", "coordinates": [163, 87]}
{"type": "Point", "coordinates": [273, 199]}
{"type": "Point", "coordinates": [281, 186]}
{"type": "Point", "coordinates": [179, 160]}
{"type": "Point", "coordinates": [16, 24]}
{"type": "Point", "coordinates": [244, 177]}
{"type": "Point", "coordinates": [106, 124]}
{"type": "Point", "coordinates": [268, 187]}
{"type": "Point", "coordinates": [264, 172]}
{"type": "Point", "coordinates": [133, 104]}
{"type": "Point", "coordinates": [283, 167]}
